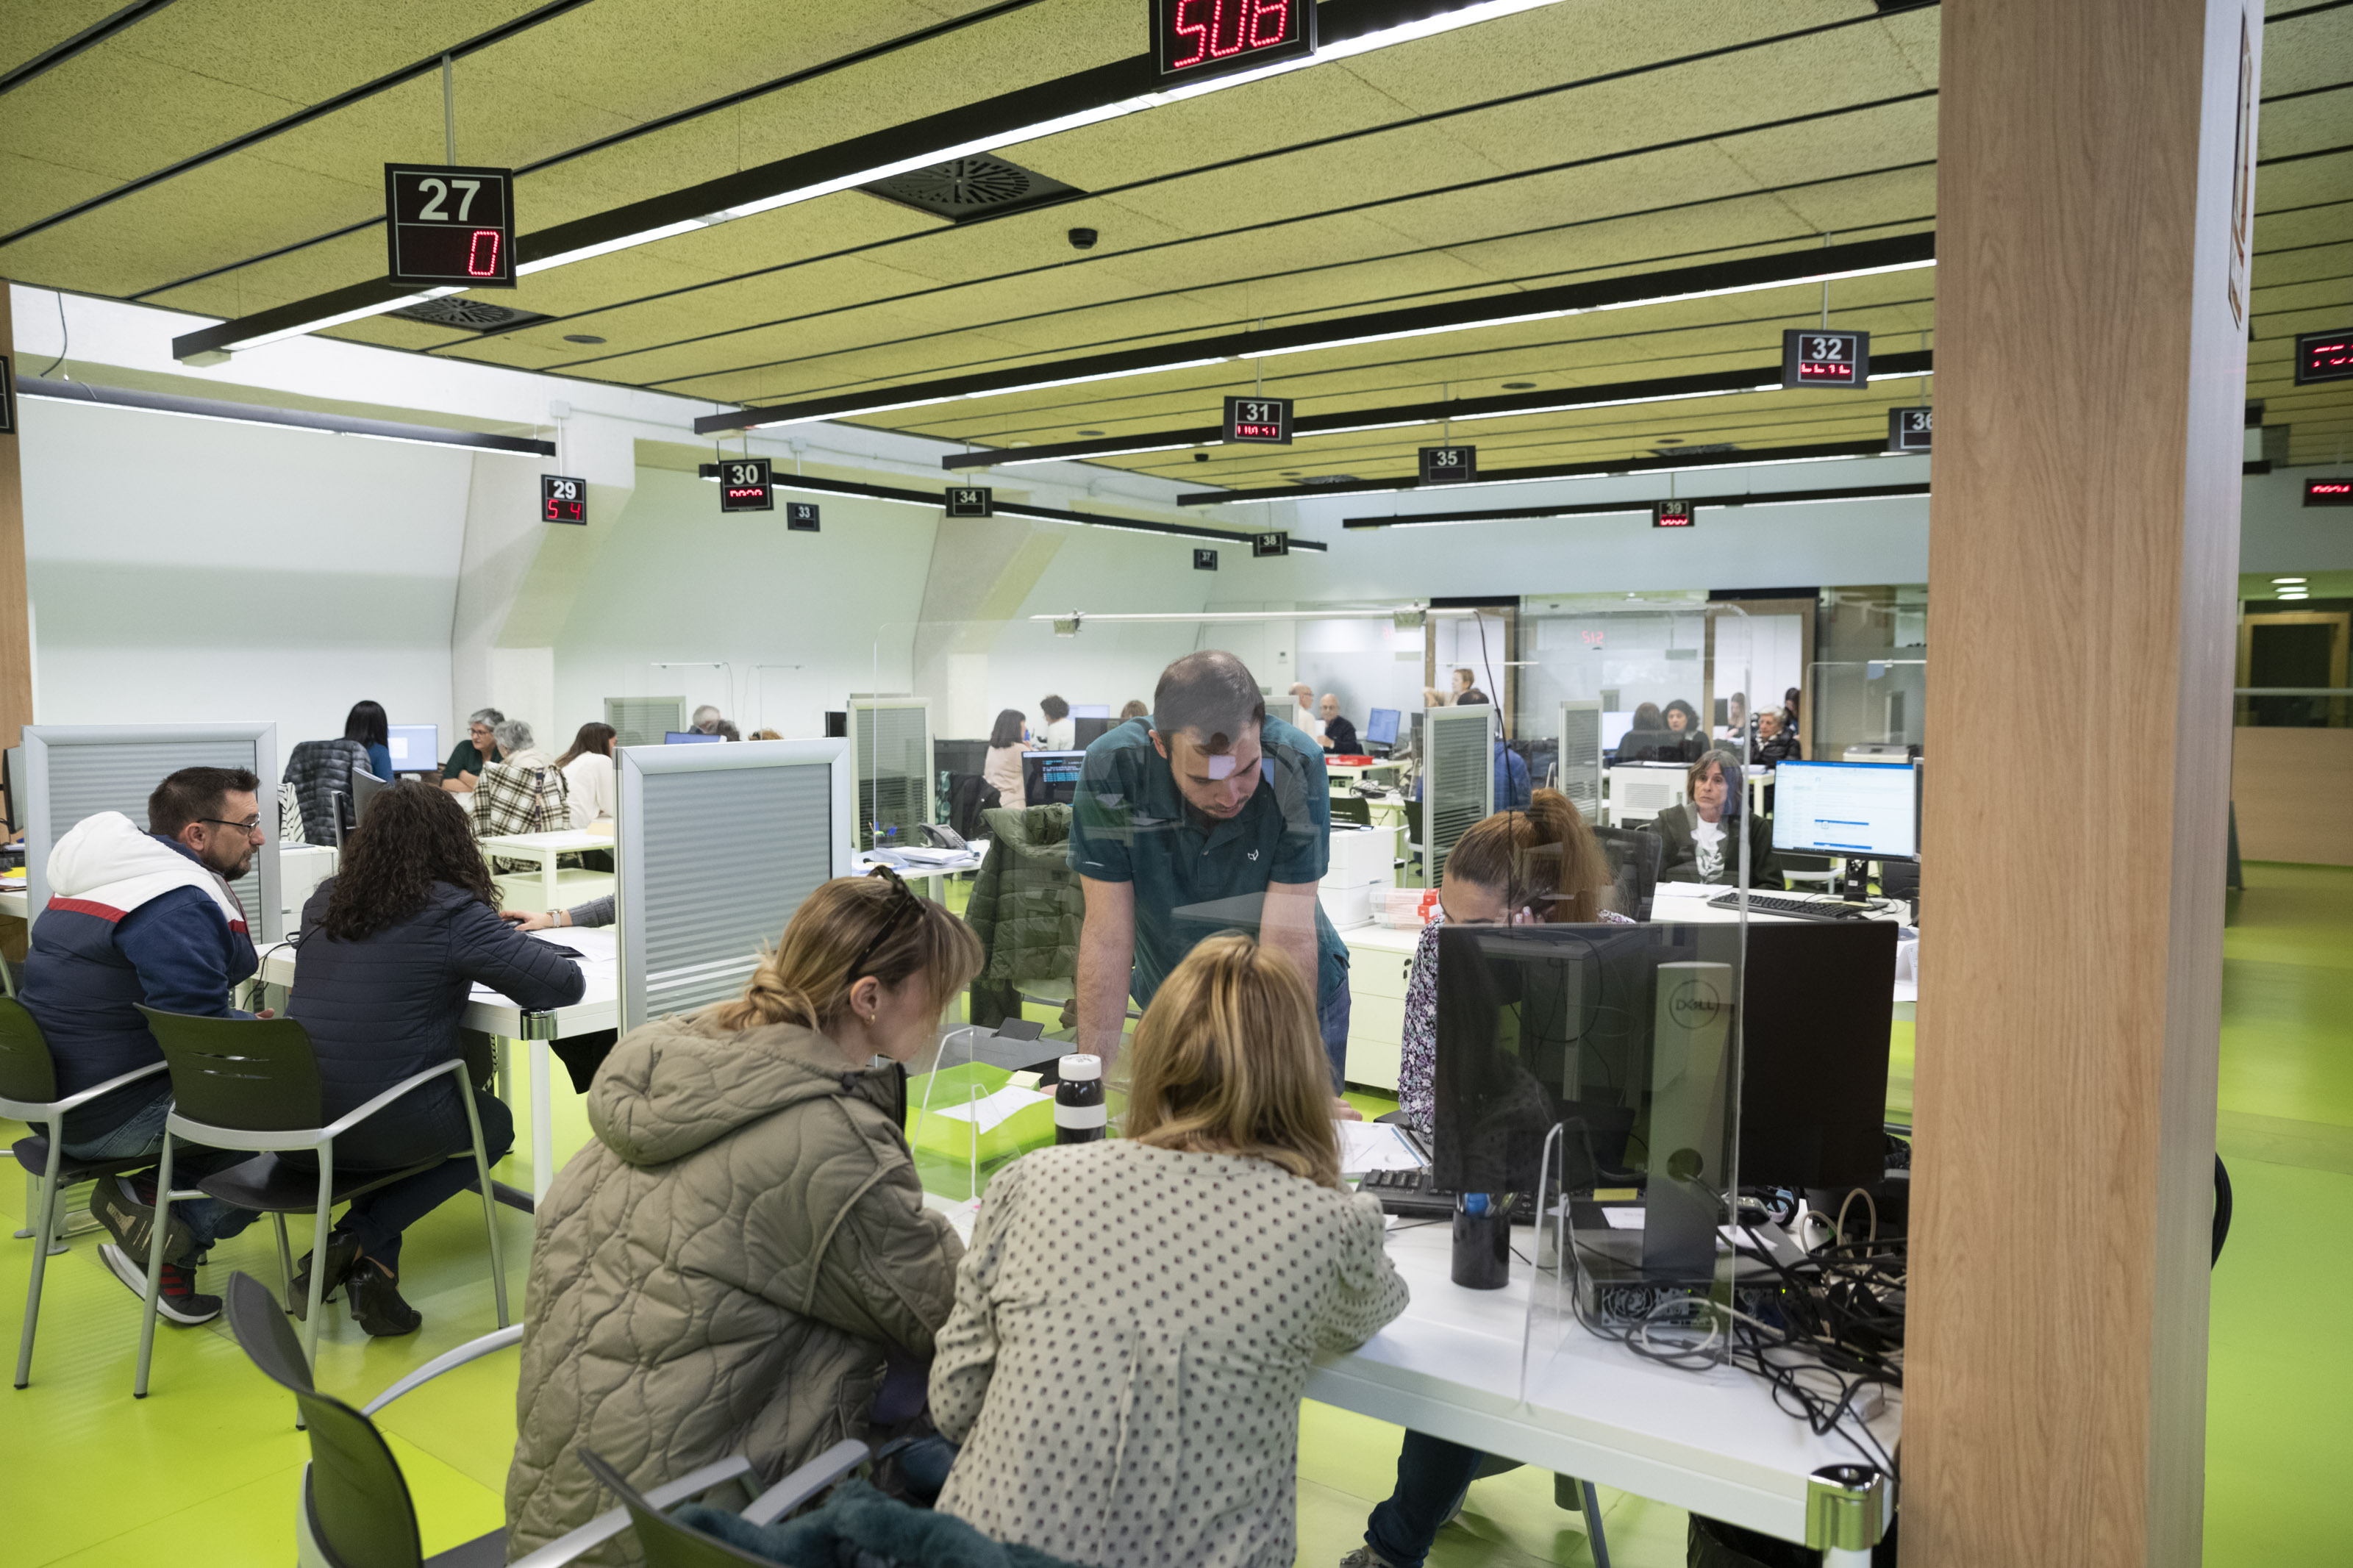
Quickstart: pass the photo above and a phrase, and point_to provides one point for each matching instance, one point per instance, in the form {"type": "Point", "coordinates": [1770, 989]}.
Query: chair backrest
{"type": "Point", "coordinates": [27, 1072]}
{"type": "Point", "coordinates": [358, 1499]}
{"type": "Point", "coordinates": [1634, 856]}
{"type": "Point", "coordinates": [666, 1543]}
{"type": "Point", "coordinates": [1352, 808]}
{"type": "Point", "coordinates": [257, 1075]}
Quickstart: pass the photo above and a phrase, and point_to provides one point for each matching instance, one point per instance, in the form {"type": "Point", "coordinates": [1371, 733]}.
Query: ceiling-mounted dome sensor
{"type": "Point", "coordinates": [1082, 238]}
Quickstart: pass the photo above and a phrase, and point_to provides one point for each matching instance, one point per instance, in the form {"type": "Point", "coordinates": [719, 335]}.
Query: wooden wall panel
{"type": "Point", "coordinates": [2083, 547]}
{"type": "Point", "coordinates": [15, 617]}
{"type": "Point", "coordinates": [2283, 782]}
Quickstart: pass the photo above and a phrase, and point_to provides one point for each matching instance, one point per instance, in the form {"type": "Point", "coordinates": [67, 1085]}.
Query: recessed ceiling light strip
{"type": "Point", "coordinates": [1347, 27]}
{"type": "Point", "coordinates": [1463, 410]}
{"type": "Point", "coordinates": [1867, 258]}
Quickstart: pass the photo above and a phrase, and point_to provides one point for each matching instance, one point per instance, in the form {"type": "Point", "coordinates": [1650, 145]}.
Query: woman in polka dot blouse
{"type": "Point", "coordinates": [1135, 1320]}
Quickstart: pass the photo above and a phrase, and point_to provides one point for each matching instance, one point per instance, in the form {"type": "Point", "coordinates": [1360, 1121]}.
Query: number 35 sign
{"type": "Point", "coordinates": [449, 226]}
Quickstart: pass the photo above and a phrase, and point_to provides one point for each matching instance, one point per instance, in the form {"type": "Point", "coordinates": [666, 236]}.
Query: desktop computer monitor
{"type": "Point", "coordinates": [687, 737]}
{"type": "Point", "coordinates": [366, 788]}
{"type": "Point", "coordinates": [1614, 725]}
{"type": "Point", "coordinates": [1380, 727]}
{"type": "Point", "coordinates": [1865, 811]}
{"type": "Point", "coordinates": [1090, 709]}
{"type": "Point", "coordinates": [1051, 778]}
{"type": "Point", "coordinates": [1087, 729]}
{"type": "Point", "coordinates": [415, 748]}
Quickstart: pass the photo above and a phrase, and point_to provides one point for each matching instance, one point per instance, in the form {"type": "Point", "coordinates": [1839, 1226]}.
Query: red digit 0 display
{"type": "Point", "coordinates": [1209, 37]}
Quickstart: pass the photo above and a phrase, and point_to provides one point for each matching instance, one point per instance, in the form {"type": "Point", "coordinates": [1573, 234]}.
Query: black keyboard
{"type": "Point", "coordinates": [1799, 908]}
{"type": "Point", "coordinates": [1409, 1195]}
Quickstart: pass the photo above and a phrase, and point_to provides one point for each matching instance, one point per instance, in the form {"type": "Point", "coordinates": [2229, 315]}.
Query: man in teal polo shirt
{"type": "Point", "coordinates": [1206, 816]}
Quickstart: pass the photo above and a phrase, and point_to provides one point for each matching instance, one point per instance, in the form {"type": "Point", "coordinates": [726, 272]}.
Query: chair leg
{"type": "Point", "coordinates": [285, 1263]}
{"type": "Point", "coordinates": [44, 1222]}
{"type": "Point", "coordinates": [490, 1207]}
{"type": "Point", "coordinates": [154, 1270]}
{"type": "Point", "coordinates": [318, 1253]}
{"type": "Point", "coordinates": [1593, 1530]}
{"type": "Point", "coordinates": [504, 1059]}
{"type": "Point", "coordinates": [31, 1202]}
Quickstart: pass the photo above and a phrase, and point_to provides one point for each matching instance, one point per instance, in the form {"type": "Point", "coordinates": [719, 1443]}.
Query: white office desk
{"type": "Point", "coordinates": [300, 869]}
{"type": "Point", "coordinates": [599, 1008]}
{"type": "Point", "coordinates": [1711, 1442]}
{"type": "Point", "coordinates": [542, 850]}
{"type": "Point", "coordinates": [1349, 772]}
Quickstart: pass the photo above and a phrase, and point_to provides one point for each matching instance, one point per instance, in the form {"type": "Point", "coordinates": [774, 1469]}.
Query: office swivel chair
{"type": "Point", "coordinates": [1634, 856]}
{"type": "Point", "coordinates": [1352, 808]}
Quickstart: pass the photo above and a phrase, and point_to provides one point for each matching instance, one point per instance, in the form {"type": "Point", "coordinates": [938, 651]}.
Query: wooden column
{"type": "Point", "coordinates": [2090, 375]}
{"type": "Point", "coordinates": [15, 615]}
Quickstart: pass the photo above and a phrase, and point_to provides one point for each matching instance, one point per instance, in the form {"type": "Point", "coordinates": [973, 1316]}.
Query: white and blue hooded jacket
{"type": "Point", "coordinates": [131, 918]}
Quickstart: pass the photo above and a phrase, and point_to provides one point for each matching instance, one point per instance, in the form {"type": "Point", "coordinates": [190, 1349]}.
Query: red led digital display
{"type": "Point", "coordinates": [1210, 37]}
{"type": "Point", "coordinates": [1259, 419]}
{"type": "Point", "coordinates": [743, 485]}
{"type": "Point", "coordinates": [1670, 514]}
{"type": "Point", "coordinates": [449, 226]}
{"type": "Point", "coordinates": [2328, 492]}
{"type": "Point", "coordinates": [1825, 358]}
{"type": "Point", "coordinates": [562, 498]}
{"type": "Point", "coordinates": [2324, 357]}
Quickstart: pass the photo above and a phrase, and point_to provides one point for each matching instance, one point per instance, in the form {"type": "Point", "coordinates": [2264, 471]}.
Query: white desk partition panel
{"type": "Point", "coordinates": [644, 720]}
{"type": "Point", "coordinates": [716, 846]}
{"type": "Point", "coordinates": [1458, 779]}
{"type": "Point", "coordinates": [1580, 756]}
{"type": "Point", "coordinates": [891, 746]}
{"type": "Point", "coordinates": [74, 771]}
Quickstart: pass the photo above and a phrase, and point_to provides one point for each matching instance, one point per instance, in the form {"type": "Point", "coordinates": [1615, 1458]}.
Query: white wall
{"type": "Point", "coordinates": [188, 569]}
{"type": "Point", "coordinates": [2277, 533]}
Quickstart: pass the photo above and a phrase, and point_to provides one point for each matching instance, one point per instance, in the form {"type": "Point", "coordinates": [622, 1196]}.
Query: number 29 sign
{"type": "Point", "coordinates": [449, 226]}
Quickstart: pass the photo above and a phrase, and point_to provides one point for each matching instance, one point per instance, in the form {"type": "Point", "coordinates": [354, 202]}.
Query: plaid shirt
{"type": "Point", "coordinates": [511, 799]}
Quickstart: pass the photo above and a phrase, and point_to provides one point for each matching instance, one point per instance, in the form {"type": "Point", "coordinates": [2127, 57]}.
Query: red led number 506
{"type": "Point", "coordinates": [1256, 24]}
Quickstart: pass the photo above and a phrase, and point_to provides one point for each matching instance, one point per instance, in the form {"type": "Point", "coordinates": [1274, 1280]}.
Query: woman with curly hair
{"type": "Point", "coordinates": [391, 947]}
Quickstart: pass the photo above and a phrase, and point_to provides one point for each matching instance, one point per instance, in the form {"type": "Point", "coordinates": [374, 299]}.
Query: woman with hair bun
{"type": "Point", "coordinates": [1515, 867]}
{"type": "Point", "coordinates": [728, 1268]}
{"type": "Point", "coordinates": [1136, 1319]}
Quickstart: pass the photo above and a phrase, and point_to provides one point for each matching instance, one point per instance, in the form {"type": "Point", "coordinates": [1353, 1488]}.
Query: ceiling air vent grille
{"type": "Point", "coordinates": [965, 188]}
{"type": "Point", "coordinates": [474, 315]}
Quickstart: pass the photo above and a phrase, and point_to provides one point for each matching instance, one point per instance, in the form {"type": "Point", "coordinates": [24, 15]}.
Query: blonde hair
{"type": "Point", "coordinates": [1543, 858]}
{"type": "Point", "coordinates": [806, 978]}
{"type": "Point", "coordinates": [1228, 1061]}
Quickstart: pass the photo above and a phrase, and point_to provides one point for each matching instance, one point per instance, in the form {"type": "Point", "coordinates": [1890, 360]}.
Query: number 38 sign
{"type": "Point", "coordinates": [449, 226]}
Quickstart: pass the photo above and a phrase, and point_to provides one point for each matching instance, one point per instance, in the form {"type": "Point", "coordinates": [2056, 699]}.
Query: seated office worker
{"type": "Point", "coordinates": [1114, 1409]}
{"type": "Point", "coordinates": [588, 770]}
{"type": "Point", "coordinates": [1061, 731]}
{"type": "Point", "coordinates": [1339, 734]}
{"type": "Point", "coordinates": [366, 724]}
{"type": "Point", "coordinates": [1511, 783]}
{"type": "Point", "coordinates": [1001, 768]}
{"type": "Point", "coordinates": [464, 768]}
{"type": "Point", "coordinates": [1696, 835]}
{"type": "Point", "coordinates": [145, 918]}
{"type": "Point", "coordinates": [1208, 817]}
{"type": "Point", "coordinates": [393, 945]}
{"type": "Point", "coordinates": [1515, 868]}
{"type": "Point", "coordinates": [523, 790]}
{"type": "Point", "coordinates": [726, 1269]}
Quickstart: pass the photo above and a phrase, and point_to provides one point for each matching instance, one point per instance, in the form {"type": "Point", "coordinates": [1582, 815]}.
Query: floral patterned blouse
{"type": "Point", "coordinates": [1418, 1054]}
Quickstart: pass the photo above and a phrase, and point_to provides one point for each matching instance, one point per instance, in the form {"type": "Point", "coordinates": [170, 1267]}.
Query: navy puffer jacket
{"type": "Point", "coordinates": [387, 1006]}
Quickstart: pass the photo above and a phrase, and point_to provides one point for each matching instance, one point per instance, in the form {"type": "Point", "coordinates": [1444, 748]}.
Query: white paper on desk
{"type": "Point", "coordinates": [1375, 1146]}
{"type": "Point", "coordinates": [1624, 1219]}
{"type": "Point", "coordinates": [595, 944]}
{"type": "Point", "coordinates": [990, 1111]}
{"type": "Point", "coordinates": [934, 857]}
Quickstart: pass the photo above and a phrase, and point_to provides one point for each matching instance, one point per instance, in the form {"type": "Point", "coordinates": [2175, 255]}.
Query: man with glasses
{"type": "Point", "coordinates": [463, 771]}
{"type": "Point", "coordinates": [147, 917]}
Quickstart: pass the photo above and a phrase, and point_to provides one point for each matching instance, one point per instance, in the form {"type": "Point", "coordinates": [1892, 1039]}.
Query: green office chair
{"type": "Point", "coordinates": [28, 1093]}
{"type": "Point", "coordinates": [670, 1542]}
{"type": "Point", "coordinates": [1352, 807]}
{"type": "Point", "coordinates": [253, 1083]}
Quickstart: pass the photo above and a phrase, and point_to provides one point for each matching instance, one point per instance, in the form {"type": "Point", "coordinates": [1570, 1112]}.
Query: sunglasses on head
{"type": "Point", "coordinates": [901, 903]}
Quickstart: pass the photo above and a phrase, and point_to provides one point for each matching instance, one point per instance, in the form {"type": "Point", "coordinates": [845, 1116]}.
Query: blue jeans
{"type": "Point", "coordinates": [377, 1219]}
{"type": "Point", "coordinates": [1432, 1476]}
{"type": "Point", "coordinates": [207, 1219]}
{"type": "Point", "coordinates": [1332, 1023]}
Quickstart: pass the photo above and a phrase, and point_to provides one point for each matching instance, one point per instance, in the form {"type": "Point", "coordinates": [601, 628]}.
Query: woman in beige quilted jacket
{"type": "Point", "coordinates": [726, 1268]}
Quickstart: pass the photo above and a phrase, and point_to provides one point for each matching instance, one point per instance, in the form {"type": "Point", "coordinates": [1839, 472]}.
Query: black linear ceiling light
{"type": "Point", "coordinates": [936, 500]}
{"type": "Point", "coordinates": [1860, 258]}
{"type": "Point", "coordinates": [1672, 463]}
{"type": "Point", "coordinates": [83, 393]}
{"type": "Point", "coordinates": [1460, 411]}
{"type": "Point", "coordinates": [1617, 508]}
{"type": "Point", "coordinates": [1130, 86]}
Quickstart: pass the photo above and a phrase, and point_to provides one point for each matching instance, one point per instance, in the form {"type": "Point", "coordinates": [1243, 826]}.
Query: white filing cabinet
{"type": "Point", "coordinates": [1362, 858]}
{"type": "Point", "coordinates": [1379, 960]}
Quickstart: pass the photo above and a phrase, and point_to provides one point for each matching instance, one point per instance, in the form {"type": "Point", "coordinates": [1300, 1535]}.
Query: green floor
{"type": "Point", "coordinates": [203, 1473]}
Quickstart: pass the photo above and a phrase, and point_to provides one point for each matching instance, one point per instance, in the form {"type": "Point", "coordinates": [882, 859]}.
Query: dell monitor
{"type": "Point", "coordinates": [687, 737]}
{"type": "Point", "coordinates": [415, 748]}
{"type": "Point", "coordinates": [1381, 727]}
{"type": "Point", "coordinates": [1864, 811]}
{"type": "Point", "coordinates": [1614, 726]}
{"type": "Point", "coordinates": [1051, 778]}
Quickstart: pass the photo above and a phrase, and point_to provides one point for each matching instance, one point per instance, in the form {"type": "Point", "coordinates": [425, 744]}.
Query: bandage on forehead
{"type": "Point", "coordinates": [1219, 764]}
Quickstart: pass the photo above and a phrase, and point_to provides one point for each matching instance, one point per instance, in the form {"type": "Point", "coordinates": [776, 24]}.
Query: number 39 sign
{"type": "Point", "coordinates": [449, 226]}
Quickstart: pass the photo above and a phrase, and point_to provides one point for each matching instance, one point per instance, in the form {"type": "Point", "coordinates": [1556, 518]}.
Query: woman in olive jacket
{"type": "Point", "coordinates": [727, 1267]}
